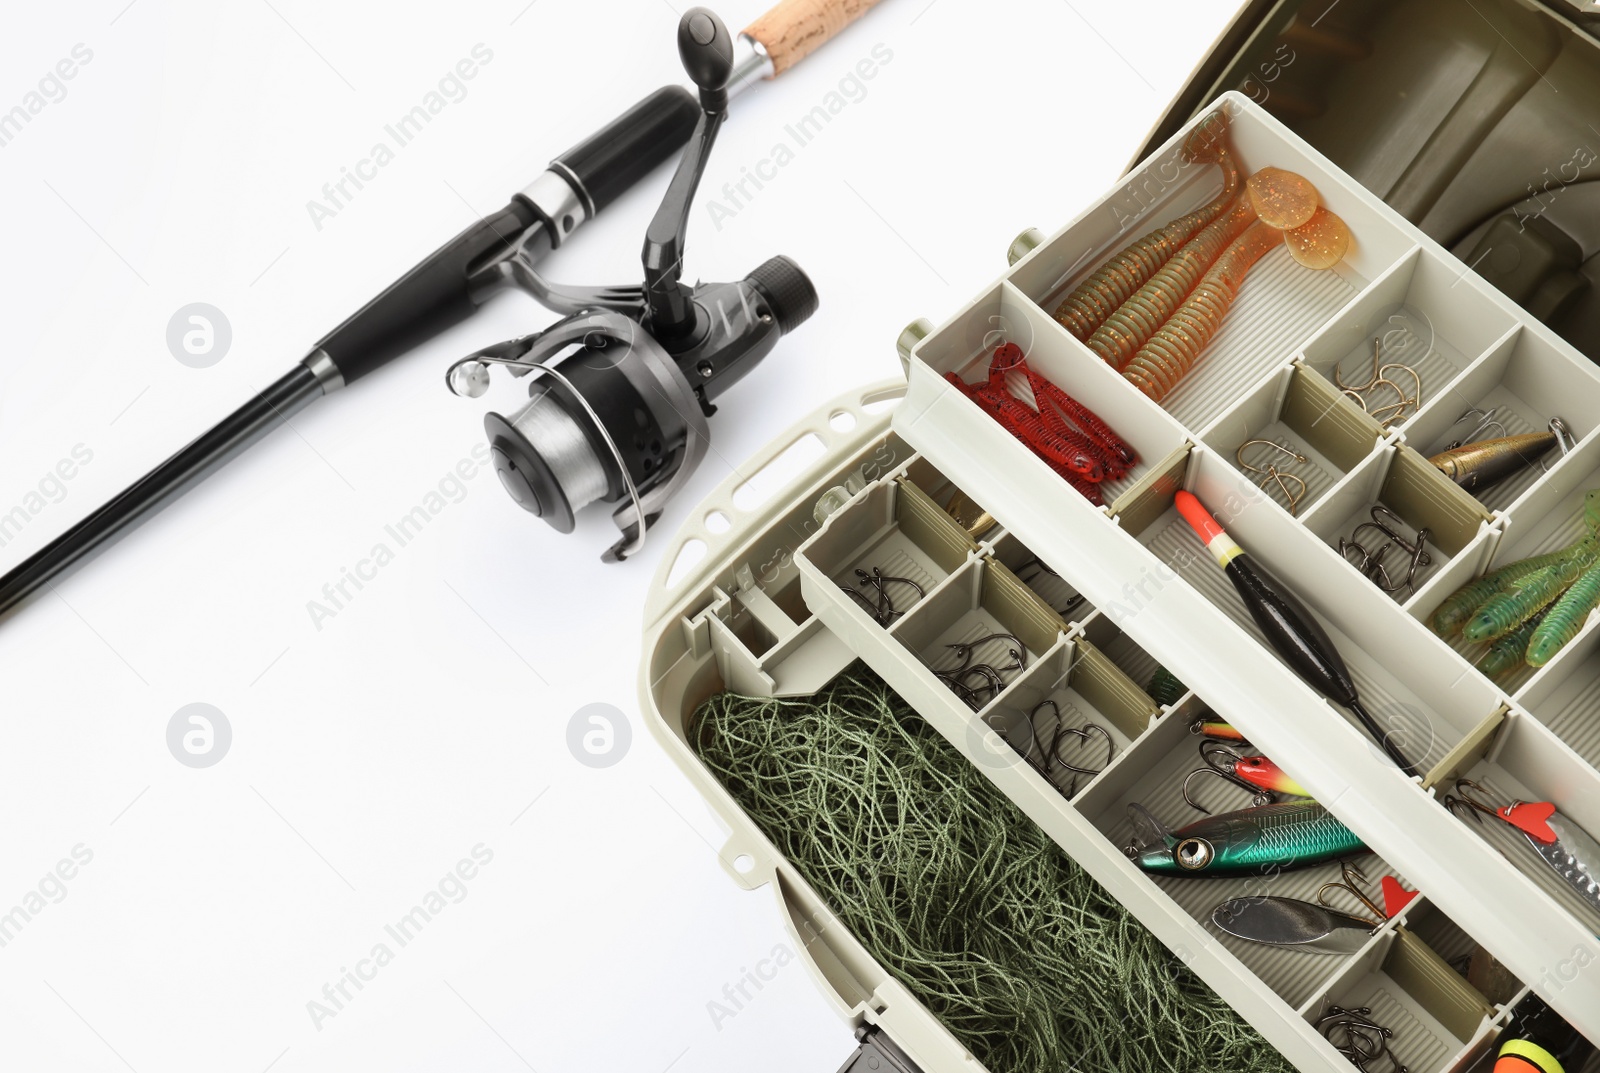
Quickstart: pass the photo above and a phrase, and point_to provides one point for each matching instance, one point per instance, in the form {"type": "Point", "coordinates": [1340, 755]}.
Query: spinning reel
{"type": "Point", "coordinates": [623, 416]}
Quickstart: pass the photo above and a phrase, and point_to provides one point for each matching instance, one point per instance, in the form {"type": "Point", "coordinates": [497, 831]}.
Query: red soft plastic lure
{"type": "Point", "coordinates": [1066, 435]}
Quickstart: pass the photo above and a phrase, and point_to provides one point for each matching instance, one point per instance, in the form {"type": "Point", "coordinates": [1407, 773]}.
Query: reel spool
{"type": "Point", "coordinates": [623, 416]}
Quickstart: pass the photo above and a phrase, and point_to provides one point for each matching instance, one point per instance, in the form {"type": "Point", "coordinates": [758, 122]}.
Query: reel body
{"type": "Point", "coordinates": [617, 412]}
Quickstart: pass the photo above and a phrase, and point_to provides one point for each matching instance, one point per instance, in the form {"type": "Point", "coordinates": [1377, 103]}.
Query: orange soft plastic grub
{"type": "Point", "coordinates": [1282, 199]}
{"type": "Point", "coordinates": [1320, 243]}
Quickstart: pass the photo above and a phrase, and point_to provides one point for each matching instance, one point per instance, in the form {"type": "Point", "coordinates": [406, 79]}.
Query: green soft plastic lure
{"type": "Point", "coordinates": [1459, 607]}
{"type": "Point", "coordinates": [1250, 842]}
{"type": "Point", "coordinates": [1565, 618]}
{"type": "Point", "coordinates": [1528, 610]}
{"type": "Point", "coordinates": [1164, 687]}
{"type": "Point", "coordinates": [1506, 654]}
{"type": "Point", "coordinates": [1504, 612]}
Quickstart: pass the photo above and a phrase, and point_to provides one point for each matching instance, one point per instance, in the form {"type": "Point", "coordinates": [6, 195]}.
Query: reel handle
{"type": "Point", "coordinates": [706, 49]}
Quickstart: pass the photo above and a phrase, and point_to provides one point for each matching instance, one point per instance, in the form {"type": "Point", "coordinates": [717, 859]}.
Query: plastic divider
{"type": "Point", "coordinates": [966, 511]}
{"type": "Point", "coordinates": [1034, 572]}
{"type": "Point", "coordinates": [1044, 715]}
{"type": "Point", "coordinates": [895, 529]}
{"type": "Point", "coordinates": [1410, 488]}
{"type": "Point", "coordinates": [1101, 630]}
{"type": "Point", "coordinates": [1525, 381]}
{"type": "Point", "coordinates": [977, 620]}
{"type": "Point", "coordinates": [1151, 773]}
{"type": "Point", "coordinates": [1566, 695]}
{"type": "Point", "coordinates": [1438, 1020]}
{"type": "Point", "coordinates": [1418, 318]}
{"type": "Point", "coordinates": [1303, 414]}
{"type": "Point", "coordinates": [1526, 761]}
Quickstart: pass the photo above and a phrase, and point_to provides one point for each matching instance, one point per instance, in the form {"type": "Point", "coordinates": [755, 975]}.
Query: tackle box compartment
{"type": "Point", "coordinates": [928, 487]}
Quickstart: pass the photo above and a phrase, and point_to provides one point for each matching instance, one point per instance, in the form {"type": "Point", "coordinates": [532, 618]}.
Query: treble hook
{"type": "Point", "coordinates": [1258, 797]}
{"type": "Point", "coordinates": [1350, 874]}
{"type": "Point", "coordinates": [1565, 440]}
{"type": "Point", "coordinates": [1485, 423]}
{"type": "Point", "coordinates": [1210, 747]}
{"type": "Point", "coordinates": [1461, 799]}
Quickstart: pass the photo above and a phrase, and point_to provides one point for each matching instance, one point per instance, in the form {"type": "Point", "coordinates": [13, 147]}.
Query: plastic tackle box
{"type": "Point", "coordinates": [763, 610]}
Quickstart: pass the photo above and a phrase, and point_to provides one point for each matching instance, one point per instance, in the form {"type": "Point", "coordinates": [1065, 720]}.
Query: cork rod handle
{"type": "Point", "coordinates": [794, 29]}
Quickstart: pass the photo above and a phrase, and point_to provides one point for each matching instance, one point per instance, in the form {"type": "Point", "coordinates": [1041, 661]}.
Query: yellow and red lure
{"type": "Point", "coordinates": [1263, 774]}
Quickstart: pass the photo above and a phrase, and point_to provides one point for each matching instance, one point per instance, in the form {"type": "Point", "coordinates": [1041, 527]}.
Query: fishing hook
{"type": "Point", "coordinates": [965, 648]}
{"type": "Point", "coordinates": [1564, 440]}
{"type": "Point", "coordinates": [1351, 875]}
{"type": "Point", "coordinates": [1455, 802]}
{"type": "Point", "coordinates": [1485, 423]}
{"type": "Point", "coordinates": [1257, 797]}
{"type": "Point", "coordinates": [1273, 473]}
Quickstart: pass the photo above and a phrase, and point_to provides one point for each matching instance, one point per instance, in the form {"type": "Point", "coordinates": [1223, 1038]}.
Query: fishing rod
{"type": "Point", "coordinates": [625, 415]}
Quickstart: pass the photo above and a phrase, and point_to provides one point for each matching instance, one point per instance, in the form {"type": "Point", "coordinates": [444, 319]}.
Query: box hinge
{"type": "Point", "coordinates": [877, 1053]}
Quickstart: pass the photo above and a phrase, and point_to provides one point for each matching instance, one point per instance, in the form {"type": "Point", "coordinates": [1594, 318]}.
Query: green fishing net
{"type": "Point", "coordinates": [1028, 961]}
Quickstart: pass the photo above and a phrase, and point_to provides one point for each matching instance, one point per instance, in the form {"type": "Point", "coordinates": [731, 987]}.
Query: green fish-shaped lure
{"type": "Point", "coordinates": [1252, 841]}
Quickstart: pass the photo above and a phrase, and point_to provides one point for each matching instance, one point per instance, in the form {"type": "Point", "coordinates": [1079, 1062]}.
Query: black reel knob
{"type": "Point", "coordinates": [706, 48]}
{"type": "Point", "coordinates": [788, 291]}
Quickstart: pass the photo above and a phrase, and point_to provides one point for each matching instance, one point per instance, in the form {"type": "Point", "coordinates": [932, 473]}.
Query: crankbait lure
{"type": "Point", "coordinates": [1289, 627]}
{"type": "Point", "coordinates": [1570, 851]}
{"type": "Point", "coordinates": [1172, 351]}
{"type": "Point", "coordinates": [1476, 466]}
{"type": "Point", "coordinates": [1263, 774]}
{"type": "Point", "coordinates": [1142, 315]}
{"type": "Point", "coordinates": [1210, 728]}
{"type": "Point", "coordinates": [1099, 296]}
{"type": "Point", "coordinates": [1252, 841]}
{"type": "Point", "coordinates": [1291, 923]}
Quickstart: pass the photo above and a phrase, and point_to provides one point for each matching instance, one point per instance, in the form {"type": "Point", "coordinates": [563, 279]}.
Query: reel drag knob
{"type": "Point", "coordinates": [788, 291]}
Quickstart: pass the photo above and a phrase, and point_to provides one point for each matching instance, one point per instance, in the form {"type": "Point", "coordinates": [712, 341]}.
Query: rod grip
{"type": "Point", "coordinates": [631, 146]}
{"type": "Point", "coordinates": [794, 29]}
{"type": "Point", "coordinates": [425, 301]}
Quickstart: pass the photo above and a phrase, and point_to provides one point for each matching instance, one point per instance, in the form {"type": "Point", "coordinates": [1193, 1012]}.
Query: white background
{"type": "Point", "coordinates": [429, 714]}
